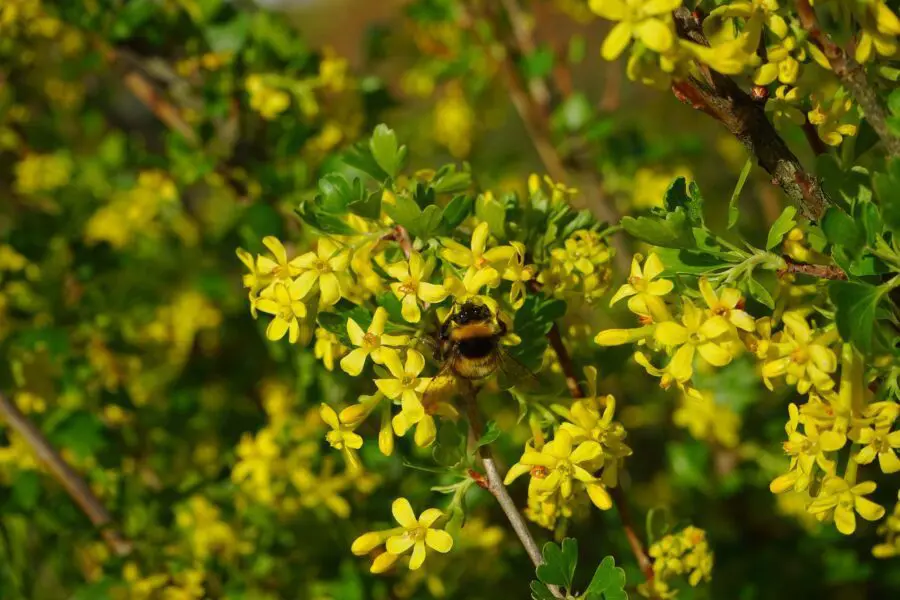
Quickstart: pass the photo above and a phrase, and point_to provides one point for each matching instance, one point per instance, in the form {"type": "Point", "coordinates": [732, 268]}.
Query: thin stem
{"type": "Point", "coordinates": [73, 483]}
{"type": "Point", "coordinates": [493, 482]}
{"type": "Point", "coordinates": [820, 271]}
{"type": "Point", "coordinates": [852, 75]}
{"type": "Point", "coordinates": [571, 375]}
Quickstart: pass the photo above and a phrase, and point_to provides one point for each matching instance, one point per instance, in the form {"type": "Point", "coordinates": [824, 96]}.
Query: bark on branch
{"type": "Point", "coordinates": [723, 99]}
{"type": "Point", "coordinates": [71, 481]}
{"type": "Point", "coordinates": [852, 75]}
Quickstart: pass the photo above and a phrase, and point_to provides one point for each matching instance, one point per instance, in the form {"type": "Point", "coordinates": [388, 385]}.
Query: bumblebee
{"type": "Point", "coordinates": [468, 348]}
{"type": "Point", "coordinates": [470, 341]}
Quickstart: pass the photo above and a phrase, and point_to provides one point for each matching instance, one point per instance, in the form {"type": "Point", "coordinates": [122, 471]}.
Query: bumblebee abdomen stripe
{"type": "Point", "coordinates": [477, 347]}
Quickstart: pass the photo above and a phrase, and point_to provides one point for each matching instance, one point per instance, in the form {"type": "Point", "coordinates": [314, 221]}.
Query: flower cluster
{"type": "Point", "coordinates": [582, 459]}
{"type": "Point", "coordinates": [683, 554]}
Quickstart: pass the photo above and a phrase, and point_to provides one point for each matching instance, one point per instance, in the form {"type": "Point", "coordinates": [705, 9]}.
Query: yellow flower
{"type": "Point", "coordinates": [411, 286]}
{"type": "Point", "coordinates": [696, 332]}
{"type": "Point", "coordinates": [727, 304]}
{"type": "Point", "coordinates": [806, 453]}
{"type": "Point", "coordinates": [341, 437]}
{"type": "Point", "coordinates": [828, 121]}
{"type": "Point", "coordinates": [648, 21]}
{"type": "Point", "coordinates": [838, 496]}
{"type": "Point", "coordinates": [416, 534]}
{"type": "Point", "coordinates": [469, 287]}
{"type": "Point", "coordinates": [684, 553]}
{"type": "Point", "coordinates": [322, 267]}
{"type": "Point", "coordinates": [705, 419]}
{"type": "Point", "coordinates": [281, 269]}
{"type": "Point", "coordinates": [783, 107]}
{"type": "Point", "coordinates": [328, 348]}
{"type": "Point", "coordinates": [558, 466]}
{"type": "Point", "coordinates": [783, 63]}
{"type": "Point", "coordinates": [518, 273]}
{"type": "Point", "coordinates": [476, 255]}
{"type": "Point", "coordinates": [644, 291]}
{"type": "Point", "coordinates": [617, 337]}
{"type": "Point", "coordinates": [286, 303]}
{"type": "Point", "coordinates": [405, 385]}
{"type": "Point", "coordinates": [369, 342]}
{"type": "Point", "coordinates": [880, 442]}
{"type": "Point", "coordinates": [880, 28]}
{"type": "Point", "coordinates": [268, 101]}
{"type": "Point", "coordinates": [804, 360]}
{"type": "Point", "coordinates": [591, 419]}
{"type": "Point", "coordinates": [890, 529]}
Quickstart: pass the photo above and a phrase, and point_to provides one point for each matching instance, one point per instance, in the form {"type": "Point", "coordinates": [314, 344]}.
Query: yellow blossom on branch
{"type": "Point", "coordinates": [841, 500]}
{"type": "Point", "coordinates": [369, 343]}
{"type": "Point", "coordinates": [645, 290]}
{"type": "Point", "coordinates": [410, 286]}
{"type": "Point", "coordinates": [647, 21]}
{"type": "Point", "coordinates": [696, 332]}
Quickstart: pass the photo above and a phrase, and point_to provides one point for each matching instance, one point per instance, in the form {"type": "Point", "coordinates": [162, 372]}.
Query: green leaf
{"type": "Point", "coordinates": [323, 221]}
{"type": "Point", "coordinates": [386, 151]}
{"type": "Point", "coordinates": [428, 222]}
{"type": "Point", "coordinates": [360, 157]}
{"type": "Point", "coordinates": [491, 433]}
{"type": "Point", "coordinates": [841, 229]}
{"type": "Point", "coordinates": [493, 213]}
{"type": "Point", "coordinates": [688, 262]}
{"type": "Point", "coordinates": [671, 231]}
{"type": "Point", "coordinates": [452, 182]}
{"type": "Point", "coordinates": [404, 211]}
{"type": "Point", "coordinates": [532, 322]}
{"type": "Point", "coordinates": [780, 228]}
{"type": "Point", "coordinates": [456, 211]}
{"type": "Point", "coordinates": [733, 211]}
{"type": "Point", "coordinates": [759, 293]}
{"type": "Point", "coordinates": [575, 113]}
{"type": "Point", "coordinates": [81, 432]}
{"type": "Point", "coordinates": [539, 63]}
{"type": "Point", "coordinates": [26, 489]}
{"type": "Point", "coordinates": [870, 218]}
{"type": "Point", "coordinates": [608, 582]}
{"type": "Point", "coordinates": [887, 189]}
{"type": "Point", "coordinates": [335, 193]}
{"type": "Point", "coordinates": [680, 195]}
{"type": "Point", "coordinates": [893, 102]}
{"type": "Point", "coordinates": [559, 563]}
{"type": "Point", "coordinates": [856, 305]}
{"type": "Point", "coordinates": [230, 36]}
{"type": "Point", "coordinates": [539, 591]}
{"type": "Point", "coordinates": [368, 207]}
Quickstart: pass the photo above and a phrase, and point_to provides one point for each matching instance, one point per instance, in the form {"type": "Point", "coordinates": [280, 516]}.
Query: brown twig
{"type": "Point", "coordinates": [492, 481]}
{"type": "Point", "coordinates": [812, 137]}
{"type": "Point", "coordinates": [852, 75]}
{"type": "Point", "coordinates": [73, 483]}
{"type": "Point", "coordinates": [571, 375]}
{"type": "Point", "coordinates": [820, 271]}
{"type": "Point", "coordinates": [725, 101]}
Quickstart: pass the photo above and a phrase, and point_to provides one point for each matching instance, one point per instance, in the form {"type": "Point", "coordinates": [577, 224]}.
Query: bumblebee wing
{"type": "Point", "coordinates": [511, 373]}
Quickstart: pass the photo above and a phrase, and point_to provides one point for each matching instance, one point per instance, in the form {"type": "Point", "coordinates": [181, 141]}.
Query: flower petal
{"type": "Point", "coordinates": [418, 556]}
{"type": "Point", "coordinates": [439, 540]}
{"type": "Point", "coordinates": [656, 34]}
{"type": "Point", "coordinates": [383, 562]}
{"type": "Point", "coordinates": [714, 354]}
{"type": "Point", "coordinates": [429, 516]}
{"type": "Point", "coordinates": [277, 328]}
{"type": "Point", "coordinates": [403, 513]}
{"type": "Point", "coordinates": [353, 363]}
{"type": "Point", "coordinates": [616, 41]}
{"type": "Point", "coordinates": [671, 333]}
{"type": "Point", "coordinates": [398, 544]}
